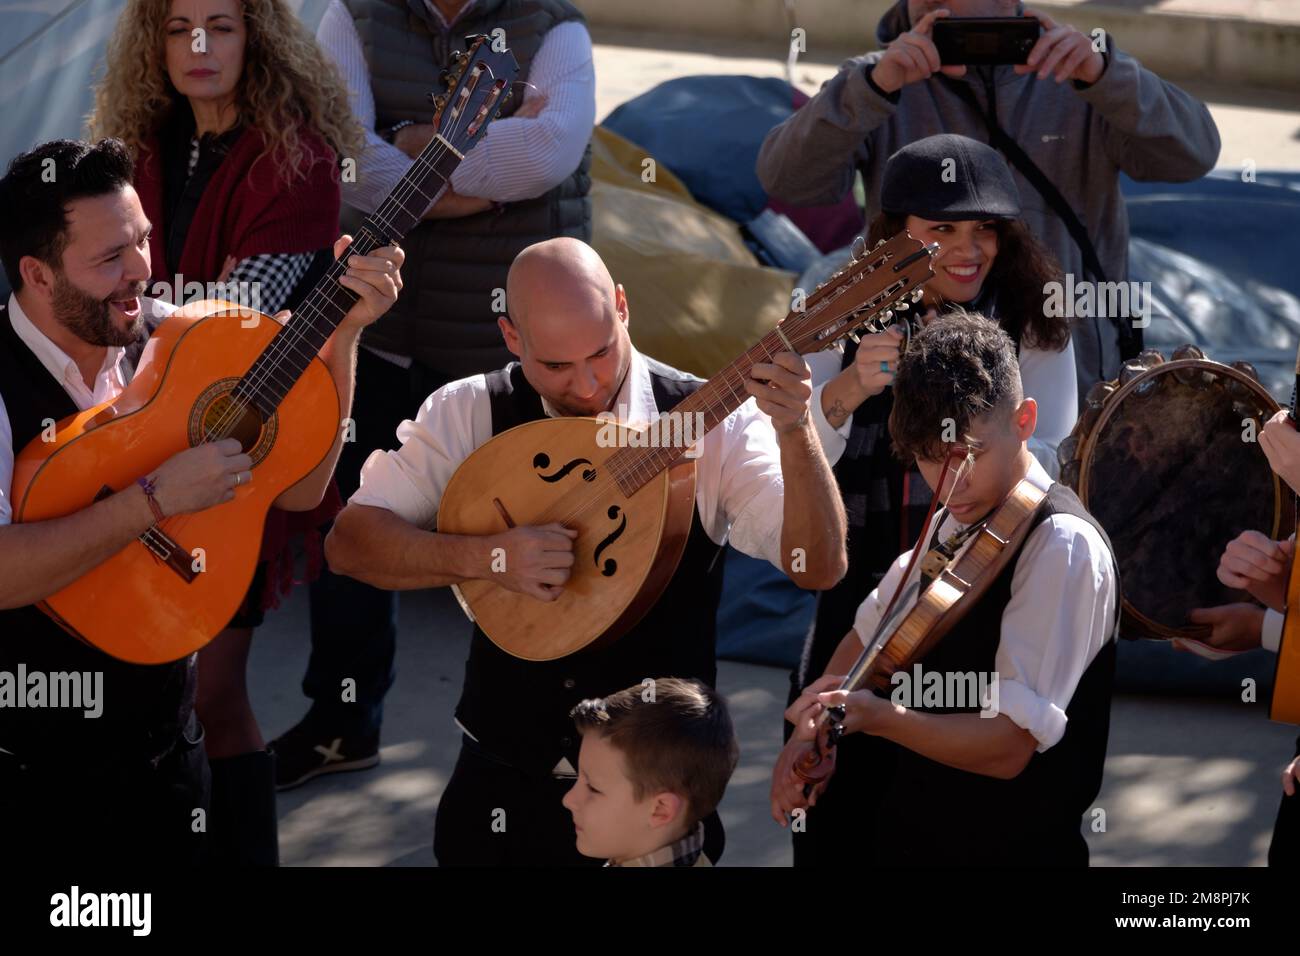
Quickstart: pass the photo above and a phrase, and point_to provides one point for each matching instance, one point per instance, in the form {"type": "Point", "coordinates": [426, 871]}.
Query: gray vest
{"type": "Point", "coordinates": [444, 318]}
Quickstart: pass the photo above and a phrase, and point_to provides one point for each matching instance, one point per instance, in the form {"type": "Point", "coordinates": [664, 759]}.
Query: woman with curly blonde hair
{"type": "Point", "coordinates": [237, 122]}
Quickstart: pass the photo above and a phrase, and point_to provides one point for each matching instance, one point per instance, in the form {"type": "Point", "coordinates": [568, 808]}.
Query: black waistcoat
{"type": "Point", "coordinates": [144, 707]}
{"type": "Point", "coordinates": [932, 814]}
{"type": "Point", "coordinates": [519, 710]}
{"type": "Point", "coordinates": [444, 318]}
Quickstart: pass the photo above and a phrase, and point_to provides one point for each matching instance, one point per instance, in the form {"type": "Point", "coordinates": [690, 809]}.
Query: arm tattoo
{"type": "Point", "coordinates": [837, 414]}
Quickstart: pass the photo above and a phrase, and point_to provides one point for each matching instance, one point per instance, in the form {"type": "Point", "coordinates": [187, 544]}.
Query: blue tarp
{"type": "Point", "coordinates": [707, 130]}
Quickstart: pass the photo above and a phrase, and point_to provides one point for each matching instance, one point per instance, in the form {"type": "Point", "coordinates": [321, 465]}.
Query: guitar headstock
{"type": "Point", "coordinates": [865, 294]}
{"type": "Point", "coordinates": [478, 86]}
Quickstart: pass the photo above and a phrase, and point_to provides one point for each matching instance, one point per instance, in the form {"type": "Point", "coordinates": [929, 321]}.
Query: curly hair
{"type": "Point", "coordinates": [287, 85]}
{"type": "Point", "coordinates": [1019, 273]}
{"type": "Point", "coordinates": [959, 368]}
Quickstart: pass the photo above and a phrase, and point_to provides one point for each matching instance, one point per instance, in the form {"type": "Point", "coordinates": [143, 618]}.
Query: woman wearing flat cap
{"type": "Point", "coordinates": [959, 193]}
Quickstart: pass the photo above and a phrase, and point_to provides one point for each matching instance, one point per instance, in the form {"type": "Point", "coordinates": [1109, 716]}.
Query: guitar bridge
{"type": "Point", "coordinates": [163, 546]}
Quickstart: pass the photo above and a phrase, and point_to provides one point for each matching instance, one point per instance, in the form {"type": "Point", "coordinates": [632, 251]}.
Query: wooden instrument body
{"type": "Point", "coordinates": [627, 547]}
{"type": "Point", "coordinates": [633, 511]}
{"type": "Point", "coordinates": [134, 606]}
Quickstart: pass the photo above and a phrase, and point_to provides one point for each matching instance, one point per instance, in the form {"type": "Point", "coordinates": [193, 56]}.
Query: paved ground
{"type": "Point", "coordinates": [1188, 781]}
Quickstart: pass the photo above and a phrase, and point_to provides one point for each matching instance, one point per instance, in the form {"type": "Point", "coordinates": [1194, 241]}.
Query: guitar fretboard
{"type": "Point", "coordinates": [820, 326]}
{"type": "Point", "coordinates": [715, 400]}
{"type": "Point", "coordinates": [284, 360]}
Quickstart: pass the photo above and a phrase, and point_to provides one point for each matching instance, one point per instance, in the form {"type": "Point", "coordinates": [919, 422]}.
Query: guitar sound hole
{"type": "Point", "coordinates": [226, 418]}
{"type": "Point", "coordinates": [610, 567]}
{"type": "Point", "coordinates": [216, 415]}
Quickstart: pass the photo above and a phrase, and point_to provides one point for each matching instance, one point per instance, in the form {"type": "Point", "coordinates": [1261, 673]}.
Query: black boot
{"type": "Point", "coordinates": [242, 825]}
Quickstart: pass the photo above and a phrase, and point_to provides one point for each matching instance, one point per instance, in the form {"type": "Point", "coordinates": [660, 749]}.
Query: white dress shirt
{"type": "Point", "coordinates": [517, 158]}
{"type": "Point", "coordinates": [739, 491]}
{"type": "Point", "coordinates": [1061, 613]}
{"type": "Point", "coordinates": [1047, 376]}
{"type": "Point", "coordinates": [109, 382]}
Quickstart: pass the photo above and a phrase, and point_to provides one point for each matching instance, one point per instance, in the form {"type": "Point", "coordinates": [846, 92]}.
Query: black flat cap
{"type": "Point", "coordinates": [948, 178]}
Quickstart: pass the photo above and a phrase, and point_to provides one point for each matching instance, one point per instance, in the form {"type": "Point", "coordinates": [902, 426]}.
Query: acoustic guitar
{"type": "Point", "coordinates": [216, 370]}
{"type": "Point", "coordinates": [1285, 704]}
{"type": "Point", "coordinates": [629, 492]}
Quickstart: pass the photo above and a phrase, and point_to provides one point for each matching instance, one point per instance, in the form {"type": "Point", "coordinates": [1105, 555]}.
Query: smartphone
{"type": "Point", "coordinates": [970, 41]}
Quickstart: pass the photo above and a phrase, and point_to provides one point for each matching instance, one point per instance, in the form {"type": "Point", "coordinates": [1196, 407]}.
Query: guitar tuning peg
{"type": "Point", "coordinates": [440, 101]}
{"type": "Point", "coordinates": [879, 243]}
{"type": "Point", "coordinates": [857, 339]}
{"type": "Point", "coordinates": [901, 306]}
{"type": "Point", "coordinates": [887, 314]}
{"type": "Point", "coordinates": [918, 295]}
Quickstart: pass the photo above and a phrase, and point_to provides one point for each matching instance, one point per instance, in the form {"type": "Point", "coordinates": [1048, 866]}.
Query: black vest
{"type": "Point", "coordinates": [935, 815]}
{"type": "Point", "coordinates": [444, 318]}
{"type": "Point", "coordinates": [144, 707]}
{"type": "Point", "coordinates": [519, 710]}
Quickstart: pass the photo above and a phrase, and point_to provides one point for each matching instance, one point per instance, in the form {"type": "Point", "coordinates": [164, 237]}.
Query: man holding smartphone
{"type": "Point", "coordinates": [1069, 119]}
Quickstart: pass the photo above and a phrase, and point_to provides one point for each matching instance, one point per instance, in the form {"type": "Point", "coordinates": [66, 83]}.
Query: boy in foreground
{"type": "Point", "coordinates": [655, 761]}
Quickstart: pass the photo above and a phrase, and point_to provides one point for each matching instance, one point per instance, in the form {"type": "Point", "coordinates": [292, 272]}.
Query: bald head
{"type": "Point", "coordinates": [567, 323]}
{"type": "Point", "coordinates": [559, 279]}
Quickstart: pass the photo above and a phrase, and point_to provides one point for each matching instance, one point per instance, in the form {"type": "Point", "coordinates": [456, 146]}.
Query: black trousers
{"type": "Point", "coordinates": [107, 811]}
{"type": "Point", "coordinates": [847, 821]}
{"type": "Point", "coordinates": [493, 814]}
{"type": "Point", "coordinates": [354, 625]}
{"type": "Point", "coordinates": [1285, 848]}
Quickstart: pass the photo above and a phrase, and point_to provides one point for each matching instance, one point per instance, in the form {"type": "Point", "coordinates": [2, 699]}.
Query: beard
{"type": "Point", "coordinates": [91, 319]}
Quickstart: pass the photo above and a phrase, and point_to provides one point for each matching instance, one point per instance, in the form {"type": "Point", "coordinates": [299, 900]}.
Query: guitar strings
{"type": "Point", "coordinates": [404, 190]}
{"type": "Point", "coordinates": [292, 335]}
{"type": "Point", "coordinates": [642, 467]}
{"type": "Point", "coordinates": [729, 381]}
{"type": "Point", "coordinates": [616, 472]}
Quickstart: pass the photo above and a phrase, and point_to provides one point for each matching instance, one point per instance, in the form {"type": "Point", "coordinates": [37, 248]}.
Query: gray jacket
{"type": "Point", "coordinates": [1081, 138]}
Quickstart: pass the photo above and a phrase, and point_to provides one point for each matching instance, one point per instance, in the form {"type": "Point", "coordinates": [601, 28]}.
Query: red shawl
{"type": "Point", "coordinates": [247, 210]}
